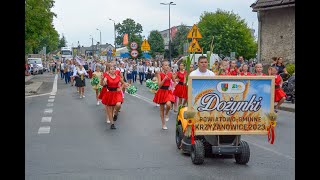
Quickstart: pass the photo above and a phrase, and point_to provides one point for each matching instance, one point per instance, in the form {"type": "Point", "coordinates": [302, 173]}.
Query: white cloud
{"type": "Point", "coordinates": [77, 19]}
{"type": "Point", "coordinates": [265, 88]}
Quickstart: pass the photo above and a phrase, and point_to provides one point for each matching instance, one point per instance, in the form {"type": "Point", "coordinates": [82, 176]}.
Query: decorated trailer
{"type": "Point", "coordinates": [220, 110]}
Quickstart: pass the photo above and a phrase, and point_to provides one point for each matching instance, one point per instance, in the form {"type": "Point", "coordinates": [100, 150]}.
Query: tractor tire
{"type": "Point", "coordinates": [244, 156]}
{"type": "Point", "coordinates": [179, 136]}
{"type": "Point", "coordinates": [197, 153]}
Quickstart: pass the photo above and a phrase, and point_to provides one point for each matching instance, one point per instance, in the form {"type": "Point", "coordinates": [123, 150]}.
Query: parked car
{"type": "Point", "coordinates": [38, 62]}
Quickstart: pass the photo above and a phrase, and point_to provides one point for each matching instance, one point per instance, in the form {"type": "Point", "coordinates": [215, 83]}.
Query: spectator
{"type": "Point", "coordinates": [240, 61]}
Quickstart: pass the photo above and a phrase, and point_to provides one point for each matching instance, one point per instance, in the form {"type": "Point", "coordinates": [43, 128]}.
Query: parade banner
{"type": "Point", "coordinates": [125, 39]}
{"type": "Point", "coordinates": [231, 105]}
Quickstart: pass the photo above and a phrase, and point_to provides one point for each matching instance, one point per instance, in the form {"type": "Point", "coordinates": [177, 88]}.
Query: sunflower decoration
{"type": "Point", "coordinates": [272, 117]}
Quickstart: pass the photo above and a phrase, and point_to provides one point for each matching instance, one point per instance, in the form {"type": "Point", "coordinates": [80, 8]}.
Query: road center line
{"type": "Point", "coordinates": [46, 119]}
{"type": "Point", "coordinates": [44, 130]}
{"type": "Point", "coordinates": [50, 100]}
{"type": "Point", "coordinates": [48, 111]}
{"type": "Point", "coordinates": [51, 97]}
{"type": "Point", "coordinates": [49, 104]}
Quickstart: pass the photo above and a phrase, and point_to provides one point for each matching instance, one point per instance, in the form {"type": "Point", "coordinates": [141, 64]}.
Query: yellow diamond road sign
{"type": "Point", "coordinates": [194, 46]}
{"type": "Point", "coordinates": [194, 32]}
{"type": "Point", "coordinates": [145, 46]}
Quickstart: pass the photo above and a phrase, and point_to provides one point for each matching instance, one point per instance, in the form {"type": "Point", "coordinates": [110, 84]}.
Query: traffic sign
{"type": "Point", "coordinates": [194, 32]}
{"type": "Point", "coordinates": [194, 46]}
{"type": "Point", "coordinates": [133, 45]}
{"type": "Point", "coordinates": [145, 46]}
{"type": "Point", "coordinates": [134, 53]}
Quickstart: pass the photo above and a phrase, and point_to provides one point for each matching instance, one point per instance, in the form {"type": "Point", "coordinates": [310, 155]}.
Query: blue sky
{"type": "Point", "coordinates": [259, 87]}
{"type": "Point", "coordinates": [78, 19]}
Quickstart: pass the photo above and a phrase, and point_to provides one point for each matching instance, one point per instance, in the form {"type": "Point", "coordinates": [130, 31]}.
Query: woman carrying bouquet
{"type": "Point", "coordinates": [96, 77]}
{"type": "Point", "coordinates": [164, 96]}
{"type": "Point", "coordinates": [112, 98]}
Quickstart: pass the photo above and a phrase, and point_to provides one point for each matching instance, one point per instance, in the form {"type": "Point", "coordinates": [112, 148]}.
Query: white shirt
{"type": "Point", "coordinates": [82, 71]}
{"type": "Point", "coordinates": [156, 69]}
{"type": "Point", "coordinates": [198, 73]}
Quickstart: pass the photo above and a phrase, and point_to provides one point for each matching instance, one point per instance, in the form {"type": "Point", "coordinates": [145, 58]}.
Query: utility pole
{"type": "Point", "coordinates": [171, 3]}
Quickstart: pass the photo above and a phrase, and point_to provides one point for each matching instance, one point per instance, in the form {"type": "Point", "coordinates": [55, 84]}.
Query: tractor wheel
{"type": "Point", "coordinates": [244, 156]}
{"type": "Point", "coordinates": [197, 153]}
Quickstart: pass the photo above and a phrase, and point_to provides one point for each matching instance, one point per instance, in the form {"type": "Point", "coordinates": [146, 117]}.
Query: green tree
{"type": "Point", "coordinates": [138, 40]}
{"type": "Point", "coordinates": [128, 26]}
{"type": "Point", "coordinates": [156, 43]}
{"type": "Point", "coordinates": [39, 30]}
{"type": "Point", "coordinates": [62, 42]}
{"type": "Point", "coordinates": [179, 40]}
{"type": "Point", "coordinates": [231, 34]}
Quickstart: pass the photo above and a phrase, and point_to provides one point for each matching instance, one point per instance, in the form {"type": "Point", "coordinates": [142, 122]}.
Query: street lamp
{"type": "Point", "coordinates": [92, 45]}
{"type": "Point", "coordinates": [114, 25]}
{"type": "Point", "coordinates": [171, 3]}
{"type": "Point", "coordinates": [100, 40]}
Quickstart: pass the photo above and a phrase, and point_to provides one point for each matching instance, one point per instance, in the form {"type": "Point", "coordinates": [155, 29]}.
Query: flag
{"type": "Point", "coordinates": [125, 39]}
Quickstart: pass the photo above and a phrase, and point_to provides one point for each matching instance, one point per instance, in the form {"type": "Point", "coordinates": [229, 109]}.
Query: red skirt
{"type": "Point", "coordinates": [111, 98]}
{"type": "Point", "coordinates": [181, 91]}
{"type": "Point", "coordinates": [102, 92]}
{"type": "Point", "coordinates": [163, 96]}
{"type": "Point", "coordinates": [279, 94]}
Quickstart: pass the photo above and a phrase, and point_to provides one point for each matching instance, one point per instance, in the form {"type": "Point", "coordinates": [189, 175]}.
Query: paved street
{"type": "Point", "coordinates": [67, 138]}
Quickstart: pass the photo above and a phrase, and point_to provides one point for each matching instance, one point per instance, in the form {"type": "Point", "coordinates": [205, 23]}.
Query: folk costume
{"type": "Point", "coordinates": [163, 95]}
{"type": "Point", "coordinates": [181, 88]}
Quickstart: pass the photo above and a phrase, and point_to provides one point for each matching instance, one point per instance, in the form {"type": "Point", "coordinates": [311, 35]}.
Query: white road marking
{"type": "Point", "coordinates": [143, 98]}
{"type": "Point", "coordinates": [37, 95]}
{"type": "Point", "coordinates": [44, 130]}
{"type": "Point", "coordinates": [271, 150]}
{"type": "Point", "coordinates": [49, 104]}
{"type": "Point", "coordinates": [55, 85]}
{"type": "Point", "coordinates": [48, 111]}
{"type": "Point", "coordinates": [51, 97]}
{"type": "Point", "coordinates": [46, 119]}
{"type": "Point", "coordinates": [50, 100]}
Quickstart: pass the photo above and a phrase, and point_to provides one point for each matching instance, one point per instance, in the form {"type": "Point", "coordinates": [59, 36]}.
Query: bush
{"type": "Point", "coordinates": [290, 68]}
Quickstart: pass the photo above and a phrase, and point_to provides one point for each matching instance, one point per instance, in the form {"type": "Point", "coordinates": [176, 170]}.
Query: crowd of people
{"type": "Point", "coordinates": [118, 74]}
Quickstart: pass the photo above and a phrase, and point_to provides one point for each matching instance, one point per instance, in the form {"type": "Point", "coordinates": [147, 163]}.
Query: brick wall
{"type": "Point", "coordinates": [278, 34]}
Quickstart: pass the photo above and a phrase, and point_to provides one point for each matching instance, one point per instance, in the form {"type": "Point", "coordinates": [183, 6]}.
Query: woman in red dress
{"type": "Point", "coordinates": [113, 96]}
{"type": "Point", "coordinates": [279, 94]}
{"type": "Point", "coordinates": [233, 70]}
{"type": "Point", "coordinates": [258, 68]}
{"type": "Point", "coordinates": [181, 88]}
{"type": "Point", "coordinates": [164, 96]}
{"type": "Point", "coordinates": [244, 71]}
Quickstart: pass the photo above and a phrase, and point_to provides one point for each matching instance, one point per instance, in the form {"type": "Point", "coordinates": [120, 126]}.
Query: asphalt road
{"type": "Point", "coordinates": [80, 145]}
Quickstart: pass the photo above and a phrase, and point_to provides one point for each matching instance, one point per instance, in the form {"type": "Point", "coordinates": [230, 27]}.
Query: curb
{"type": "Point", "coordinates": [32, 89]}
{"type": "Point", "coordinates": [28, 78]}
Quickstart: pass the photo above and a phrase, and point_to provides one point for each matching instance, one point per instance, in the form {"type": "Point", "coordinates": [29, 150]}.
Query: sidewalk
{"type": "Point", "coordinates": [31, 88]}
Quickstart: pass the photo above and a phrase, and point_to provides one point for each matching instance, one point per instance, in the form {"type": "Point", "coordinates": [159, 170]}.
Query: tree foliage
{"type": "Point", "coordinates": [62, 42]}
{"type": "Point", "coordinates": [128, 26]}
{"type": "Point", "coordinates": [179, 40]}
{"type": "Point", "coordinates": [156, 43]}
{"type": "Point", "coordinates": [39, 30]}
{"type": "Point", "coordinates": [231, 34]}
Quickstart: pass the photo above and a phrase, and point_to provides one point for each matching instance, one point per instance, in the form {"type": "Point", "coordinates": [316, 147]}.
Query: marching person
{"type": "Point", "coordinates": [112, 98]}
{"type": "Point", "coordinates": [180, 89]}
{"type": "Point", "coordinates": [97, 74]}
{"type": "Point", "coordinates": [79, 75]}
{"type": "Point", "coordinates": [258, 68]}
{"type": "Point", "coordinates": [164, 96]}
{"type": "Point", "coordinates": [244, 70]}
{"type": "Point", "coordinates": [279, 94]}
{"type": "Point", "coordinates": [141, 71]}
